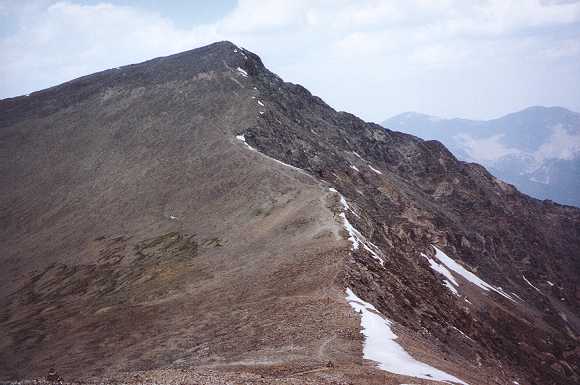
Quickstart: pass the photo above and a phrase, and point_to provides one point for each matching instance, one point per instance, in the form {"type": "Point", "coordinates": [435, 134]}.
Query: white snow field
{"type": "Point", "coordinates": [380, 345]}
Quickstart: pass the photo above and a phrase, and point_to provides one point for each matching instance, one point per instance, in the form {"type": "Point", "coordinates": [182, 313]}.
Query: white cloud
{"type": "Point", "coordinates": [566, 48]}
{"type": "Point", "coordinates": [390, 56]}
{"type": "Point", "coordinates": [68, 40]}
{"type": "Point", "coordinates": [251, 16]}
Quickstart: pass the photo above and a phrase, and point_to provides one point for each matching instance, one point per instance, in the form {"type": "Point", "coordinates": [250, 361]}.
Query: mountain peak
{"type": "Point", "coordinates": [411, 117]}
{"type": "Point", "coordinates": [414, 114]}
{"type": "Point", "coordinates": [542, 112]}
{"type": "Point", "coordinates": [232, 213]}
{"type": "Point", "coordinates": [543, 109]}
{"type": "Point", "coordinates": [223, 56]}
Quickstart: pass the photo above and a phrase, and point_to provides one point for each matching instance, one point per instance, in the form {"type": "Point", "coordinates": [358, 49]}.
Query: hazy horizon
{"type": "Point", "coordinates": [479, 120]}
{"type": "Point", "coordinates": [476, 60]}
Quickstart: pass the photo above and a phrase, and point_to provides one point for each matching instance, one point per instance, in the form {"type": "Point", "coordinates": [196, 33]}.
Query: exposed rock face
{"type": "Point", "coordinates": [424, 195]}
{"type": "Point", "coordinates": [141, 234]}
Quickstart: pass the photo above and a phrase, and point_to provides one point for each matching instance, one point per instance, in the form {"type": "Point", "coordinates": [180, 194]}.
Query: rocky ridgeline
{"type": "Point", "coordinates": [214, 251]}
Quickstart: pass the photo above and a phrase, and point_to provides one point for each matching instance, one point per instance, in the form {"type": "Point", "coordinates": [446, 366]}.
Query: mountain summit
{"type": "Point", "coordinates": [195, 218]}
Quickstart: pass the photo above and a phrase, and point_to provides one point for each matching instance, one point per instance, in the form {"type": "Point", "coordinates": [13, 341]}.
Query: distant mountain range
{"type": "Point", "coordinates": [536, 149]}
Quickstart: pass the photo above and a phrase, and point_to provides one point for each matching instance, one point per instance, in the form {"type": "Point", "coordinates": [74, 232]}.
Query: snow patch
{"type": "Point", "coordinates": [241, 71]}
{"type": "Point", "coordinates": [375, 170]}
{"type": "Point", "coordinates": [549, 283]}
{"type": "Point", "coordinates": [354, 236]}
{"type": "Point", "coordinates": [260, 103]}
{"type": "Point", "coordinates": [468, 275]}
{"type": "Point", "coordinates": [354, 168]}
{"type": "Point", "coordinates": [380, 345]}
{"type": "Point", "coordinates": [352, 232]}
{"type": "Point", "coordinates": [463, 334]}
{"type": "Point", "coordinates": [373, 253]}
{"type": "Point", "coordinates": [344, 203]}
{"type": "Point", "coordinates": [529, 283]}
{"type": "Point", "coordinates": [451, 288]}
{"type": "Point", "coordinates": [563, 316]}
{"type": "Point", "coordinates": [450, 281]}
{"type": "Point", "coordinates": [288, 165]}
{"type": "Point", "coordinates": [518, 297]}
{"type": "Point", "coordinates": [357, 155]}
{"type": "Point", "coordinates": [241, 51]}
{"type": "Point", "coordinates": [243, 139]}
{"type": "Point", "coordinates": [441, 269]}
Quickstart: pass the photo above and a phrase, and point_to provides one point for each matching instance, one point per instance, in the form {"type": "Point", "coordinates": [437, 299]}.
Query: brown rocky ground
{"type": "Point", "coordinates": [141, 241]}
{"type": "Point", "coordinates": [158, 239]}
{"type": "Point", "coordinates": [284, 375]}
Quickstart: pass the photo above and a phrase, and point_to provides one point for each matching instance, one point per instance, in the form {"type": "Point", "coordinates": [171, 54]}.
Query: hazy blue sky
{"type": "Point", "coordinates": [475, 59]}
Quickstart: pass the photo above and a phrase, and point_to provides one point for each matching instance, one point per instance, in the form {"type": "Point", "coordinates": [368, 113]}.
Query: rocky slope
{"type": "Point", "coordinates": [196, 212]}
{"type": "Point", "coordinates": [536, 149]}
